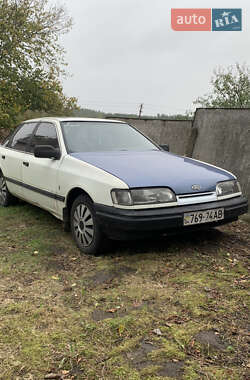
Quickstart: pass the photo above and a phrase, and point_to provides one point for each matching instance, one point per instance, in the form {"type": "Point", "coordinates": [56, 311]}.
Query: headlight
{"type": "Point", "coordinates": [227, 188]}
{"type": "Point", "coordinates": [122, 197]}
{"type": "Point", "coordinates": [142, 196]}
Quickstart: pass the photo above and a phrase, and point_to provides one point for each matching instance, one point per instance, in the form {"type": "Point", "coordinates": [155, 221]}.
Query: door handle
{"type": "Point", "coordinates": [26, 163]}
{"type": "Point", "coordinates": [3, 157]}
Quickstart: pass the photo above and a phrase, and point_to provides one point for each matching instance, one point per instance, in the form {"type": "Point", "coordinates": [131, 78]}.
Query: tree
{"type": "Point", "coordinates": [230, 88]}
{"type": "Point", "coordinates": [31, 58]}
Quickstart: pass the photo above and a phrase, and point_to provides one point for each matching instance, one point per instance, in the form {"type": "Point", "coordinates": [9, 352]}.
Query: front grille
{"type": "Point", "coordinates": [194, 195]}
{"type": "Point", "coordinates": [187, 199]}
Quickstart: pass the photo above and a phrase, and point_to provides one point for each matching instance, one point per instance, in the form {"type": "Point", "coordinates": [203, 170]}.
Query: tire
{"type": "Point", "coordinates": [84, 226]}
{"type": "Point", "coordinates": [6, 199]}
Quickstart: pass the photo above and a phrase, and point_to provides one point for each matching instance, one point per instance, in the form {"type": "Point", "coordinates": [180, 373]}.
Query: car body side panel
{"type": "Point", "coordinates": [95, 182]}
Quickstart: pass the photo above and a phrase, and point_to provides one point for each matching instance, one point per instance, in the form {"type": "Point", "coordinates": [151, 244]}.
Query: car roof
{"type": "Point", "coordinates": [72, 119]}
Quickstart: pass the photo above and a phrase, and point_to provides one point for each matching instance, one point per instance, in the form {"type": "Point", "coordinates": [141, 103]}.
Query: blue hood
{"type": "Point", "coordinates": [157, 168]}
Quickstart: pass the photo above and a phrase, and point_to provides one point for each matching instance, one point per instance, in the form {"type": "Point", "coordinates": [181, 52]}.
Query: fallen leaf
{"type": "Point", "coordinates": [65, 372]}
{"type": "Point", "coordinates": [157, 332]}
{"type": "Point", "coordinates": [67, 289]}
{"type": "Point", "coordinates": [112, 311]}
{"type": "Point", "coordinates": [137, 304]}
{"type": "Point", "coordinates": [53, 376]}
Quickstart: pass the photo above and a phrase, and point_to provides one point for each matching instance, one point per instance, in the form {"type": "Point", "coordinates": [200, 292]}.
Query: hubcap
{"type": "Point", "coordinates": [3, 189]}
{"type": "Point", "coordinates": [83, 225]}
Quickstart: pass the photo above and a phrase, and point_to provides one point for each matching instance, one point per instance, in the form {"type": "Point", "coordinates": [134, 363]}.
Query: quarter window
{"type": "Point", "coordinates": [45, 135]}
{"type": "Point", "coordinates": [22, 137]}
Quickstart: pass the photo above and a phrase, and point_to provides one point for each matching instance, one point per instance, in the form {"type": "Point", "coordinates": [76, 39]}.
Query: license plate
{"type": "Point", "coordinates": [199, 217]}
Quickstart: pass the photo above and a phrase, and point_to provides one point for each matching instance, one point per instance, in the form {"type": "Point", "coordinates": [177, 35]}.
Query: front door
{"type": "Point", "coordinates": [40, 174]}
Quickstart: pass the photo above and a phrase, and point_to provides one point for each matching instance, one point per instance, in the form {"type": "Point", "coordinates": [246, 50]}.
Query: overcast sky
{"type": "Point", "coordinates": [123, 52]}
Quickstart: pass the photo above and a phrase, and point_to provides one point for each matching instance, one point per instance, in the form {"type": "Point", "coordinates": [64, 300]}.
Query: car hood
{"type": "Point", "coordinates": [157, 169]}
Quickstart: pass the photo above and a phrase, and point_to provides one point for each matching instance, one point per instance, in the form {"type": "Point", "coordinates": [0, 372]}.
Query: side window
{"type": "Point", "coordinates": [21, 138]}
{"type": "Point", "coordinates": [6, 140]}
{"type": "Point", "coordinates": [45, 135]}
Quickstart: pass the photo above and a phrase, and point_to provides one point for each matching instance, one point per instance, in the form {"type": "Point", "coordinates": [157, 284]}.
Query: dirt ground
{"type": "Point", "coordinates": [170, 308]}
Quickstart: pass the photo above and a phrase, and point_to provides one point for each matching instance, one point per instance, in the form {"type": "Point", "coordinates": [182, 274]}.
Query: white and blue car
{"type": "Point", "coordinates": [105, 179]}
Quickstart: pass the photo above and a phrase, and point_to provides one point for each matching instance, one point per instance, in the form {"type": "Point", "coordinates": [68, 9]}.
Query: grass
{"type": "Point", "coordinates": [134, 313]}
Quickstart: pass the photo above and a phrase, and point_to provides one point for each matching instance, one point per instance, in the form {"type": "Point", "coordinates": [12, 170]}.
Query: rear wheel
{"type": "Point", "coordinates": [84, 226]}
{"type": "Point", "coordinates": [6, 198]}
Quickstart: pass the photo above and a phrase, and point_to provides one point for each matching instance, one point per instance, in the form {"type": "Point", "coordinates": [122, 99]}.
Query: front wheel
{"type": "Point", "coordinates": [5, 196]}
{"type": "Point", "coordinates": [84, 227]}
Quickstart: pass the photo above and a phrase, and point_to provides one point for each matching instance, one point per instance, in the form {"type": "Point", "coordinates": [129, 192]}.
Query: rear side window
{"type": "Point", "coordinates": [21, 138]}
{"type": "Point", "coordinates": [45, 135]}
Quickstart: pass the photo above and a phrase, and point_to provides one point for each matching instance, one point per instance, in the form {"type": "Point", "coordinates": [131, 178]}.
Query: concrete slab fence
{"type": "Point", "coordinates": [218, 136]}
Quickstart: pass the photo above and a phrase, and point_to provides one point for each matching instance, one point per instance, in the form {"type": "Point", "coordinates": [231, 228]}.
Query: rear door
{"type": "Point", "coordinates": [40, 174]}
{"type": "Point", "coordinates": [13, 155]}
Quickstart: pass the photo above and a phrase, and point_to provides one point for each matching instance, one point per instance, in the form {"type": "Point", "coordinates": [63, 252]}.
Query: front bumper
{"type": "Point", "coordinates": [124, 224]}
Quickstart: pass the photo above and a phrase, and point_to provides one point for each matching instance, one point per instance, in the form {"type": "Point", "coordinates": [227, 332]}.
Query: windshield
{"type": "Point", "coordinates": [94, 136]}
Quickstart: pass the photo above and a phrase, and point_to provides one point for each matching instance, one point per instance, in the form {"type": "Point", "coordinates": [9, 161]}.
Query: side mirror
{"type": "Point", "coordinates": [165, 147]}
{"type": "Point", "coordinates": [46, 151]}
